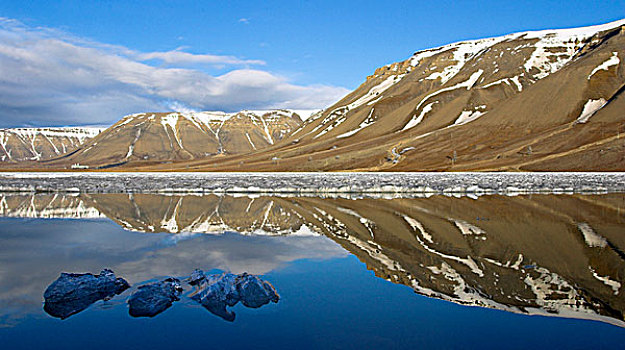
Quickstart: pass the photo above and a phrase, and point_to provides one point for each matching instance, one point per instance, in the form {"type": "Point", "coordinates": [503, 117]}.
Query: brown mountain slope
{"type": "Point", "coordinates": [26, 144]}
{"type": "Point", "coordinates": [153, 138]}
{"type": "Point", "coordinates": [549, 100]}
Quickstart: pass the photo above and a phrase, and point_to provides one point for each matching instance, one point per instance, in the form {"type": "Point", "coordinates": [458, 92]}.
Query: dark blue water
{"type": "Point", "coordinates": [329, 297]}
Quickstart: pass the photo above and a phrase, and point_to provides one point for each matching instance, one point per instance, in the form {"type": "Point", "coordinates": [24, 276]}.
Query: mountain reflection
{"type": "Point", "coordinates": [557, 255]}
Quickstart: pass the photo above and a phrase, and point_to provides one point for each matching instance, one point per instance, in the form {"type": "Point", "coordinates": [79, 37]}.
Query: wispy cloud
{"type": "Point", "coordinates": [244, 20]}
{"type": "Point", "coordinates": [181, 57]}
{"type": "Point", "coordinates": [48, 77]}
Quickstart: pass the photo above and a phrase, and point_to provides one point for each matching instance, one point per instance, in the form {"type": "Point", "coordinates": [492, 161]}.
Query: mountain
{"type": "Point", "coordinates": [546, 100]}
{"type": "Point", "coordinates": [27, 144]}
{"type": "Point", "coordinates": [534, 101]}
{"type": "Point", "coordinates": [558, 255]}
{"type": "Point", "coordinates": [153, 138]}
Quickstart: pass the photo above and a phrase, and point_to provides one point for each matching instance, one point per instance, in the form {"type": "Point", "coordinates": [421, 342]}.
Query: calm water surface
{"type": "Point", "coordinates": [541, 271]}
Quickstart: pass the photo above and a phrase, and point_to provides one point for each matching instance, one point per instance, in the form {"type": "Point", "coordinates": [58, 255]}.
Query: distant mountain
{"type": "Point", "coordinates": [27, 144]}
{"type": "Point", "coordinates": [544, 100]}
{"type": "Point", "coordinates": [153, 138]}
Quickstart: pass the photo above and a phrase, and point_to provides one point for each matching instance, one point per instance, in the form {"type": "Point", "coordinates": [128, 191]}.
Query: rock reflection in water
{"type": "Point", "coordinates": [72, 293]}
{"type": "Point", "coordinates": [215, 292]}
{"type": "Point", "coordinates": [559, 255]}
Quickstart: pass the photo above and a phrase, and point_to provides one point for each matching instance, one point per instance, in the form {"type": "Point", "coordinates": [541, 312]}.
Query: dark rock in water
{"type": "Point", "coordinates": [73, 292]}
{"type": "Point", "coordinates": [254, 292]}
{"type": "Point", "coordinates": [152, 299]}
{"type": "Point", "coordinates": [215, 292]}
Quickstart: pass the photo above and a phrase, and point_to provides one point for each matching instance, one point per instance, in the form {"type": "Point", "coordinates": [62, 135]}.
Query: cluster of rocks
{"type": "Point", "coordinates": [215, 292]}
{"type": "Point", "coordinates": [72, 293]}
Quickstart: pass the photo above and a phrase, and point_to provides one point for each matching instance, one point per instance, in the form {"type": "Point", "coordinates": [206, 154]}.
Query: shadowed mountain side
{"type": "Point", "coordinates": [560, 255]}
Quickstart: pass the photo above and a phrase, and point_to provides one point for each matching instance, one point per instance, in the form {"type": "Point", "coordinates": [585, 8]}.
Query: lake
{"type": "Point", "coordinates": [537, 270]}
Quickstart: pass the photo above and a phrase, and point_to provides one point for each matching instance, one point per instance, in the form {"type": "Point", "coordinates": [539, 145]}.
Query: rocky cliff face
{"type": "Point", "coordinates": [28, 144]}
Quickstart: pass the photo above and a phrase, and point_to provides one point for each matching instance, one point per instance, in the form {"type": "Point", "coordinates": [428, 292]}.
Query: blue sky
{"type": "Point", "coordinates": [233, 54]}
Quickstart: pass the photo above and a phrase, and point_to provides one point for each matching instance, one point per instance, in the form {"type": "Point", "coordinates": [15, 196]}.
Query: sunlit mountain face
{"type": "Point", "coordinates": [555, 255]}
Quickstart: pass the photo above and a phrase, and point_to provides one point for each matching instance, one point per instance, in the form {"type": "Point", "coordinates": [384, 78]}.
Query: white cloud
{"type": "Point", "coordinates": [48, 77]}
{"type": "Point", "coordinates": [177, 56]}
{"type": "Point", "coordinates": [244, 20]}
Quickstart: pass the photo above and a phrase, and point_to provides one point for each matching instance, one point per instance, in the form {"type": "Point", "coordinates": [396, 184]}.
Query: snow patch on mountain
{"type": "Point", "coordinates": [462, 53]}
{"type": "Point", "coordinates": [365, 123]}
{"type": "Point", "coordinates": [615, 285]}
{"type": "Point", "coordinates": [509, 81]}
{"type": "Point", "coordinates": [612, 61]}
{"type": "Point", "coordinates": [592, 238]}
{"type": "Point", "coordinates": [376, 91]}
{"type": "Point", "coordinates": [468, 116]}
{"type": "Point", "coordinates": [171, 120]}
{"type": "Point", "coordinates": [590, 108]}
{"type": "Point", "coordinates": [416, 120]}
{"type": "Point", "coordinates": [468, 84]}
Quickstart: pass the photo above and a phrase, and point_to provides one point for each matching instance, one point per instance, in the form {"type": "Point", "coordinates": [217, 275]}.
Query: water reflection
{"type": "Point", "coordinates": [542, 254]}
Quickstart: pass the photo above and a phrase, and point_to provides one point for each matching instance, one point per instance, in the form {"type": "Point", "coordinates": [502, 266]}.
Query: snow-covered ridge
{"type": "Point", "coordinates": [80, 133]}
{"type": "Point", "coordinates": [208, 117]}
{"type": "Point", "coordinates": [570, 38]}
{"type": "Point", "coordinates": [212, 121]}
{"type": "Point", "coordinates": [303, 113]}
{"type": "Point", "coordinates": [465, 50]}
